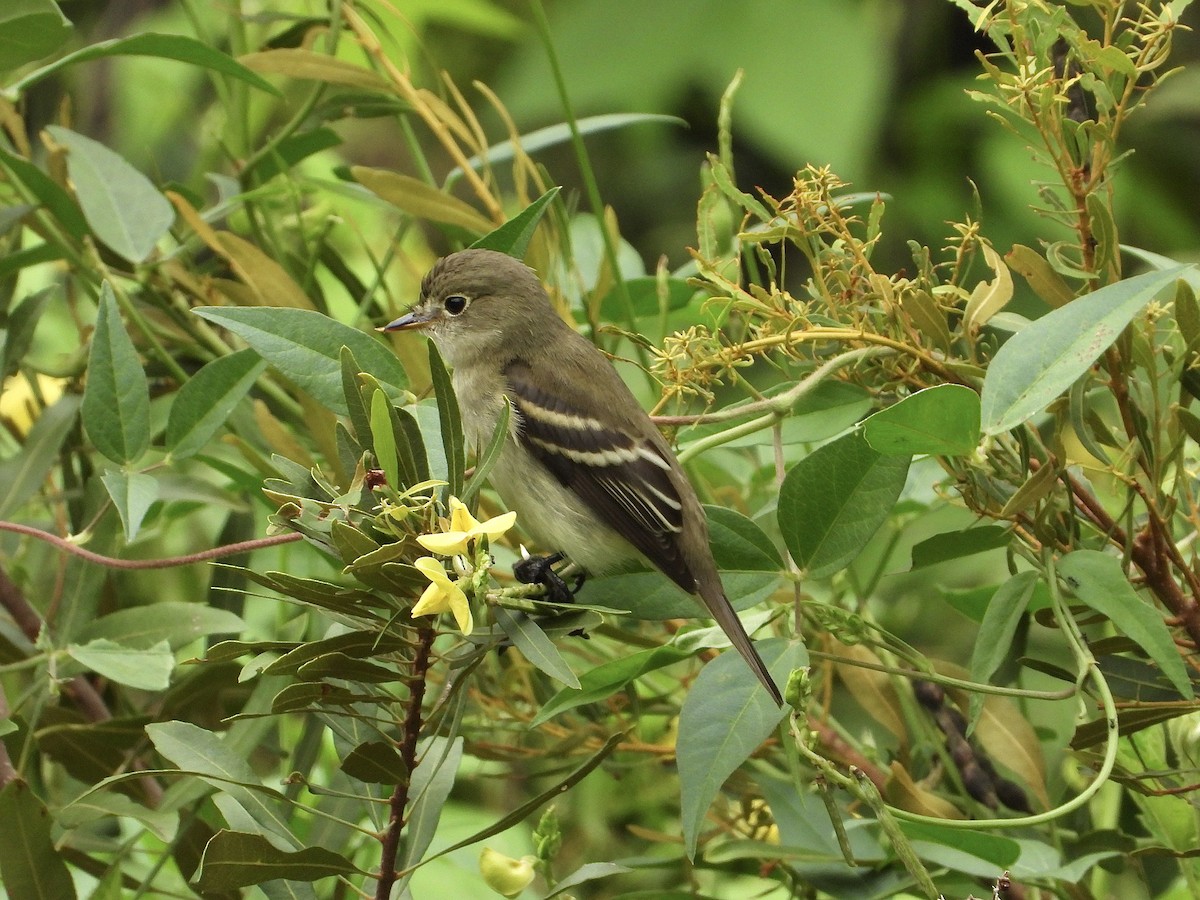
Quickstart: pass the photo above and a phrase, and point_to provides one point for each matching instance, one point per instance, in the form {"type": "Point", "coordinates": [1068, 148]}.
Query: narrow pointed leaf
{"type": "Point", "coordinates": [513, 236]}
{"type": "Point", "coordinates": [235, 859]}
{"type": "Point", "coordinates": [22, 475]}
{"type": "Point", "coordinates": [30, 865]}
{"type": "Point", "coordinates": [116, 399]}
{"type": "Point", "coordinates": [536, 647]}
{"type": "Point", "coordinates": [451, 422]}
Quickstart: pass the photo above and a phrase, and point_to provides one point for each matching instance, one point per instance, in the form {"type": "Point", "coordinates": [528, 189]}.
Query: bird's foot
{"type": "Point", "coordinates": [540, 570]}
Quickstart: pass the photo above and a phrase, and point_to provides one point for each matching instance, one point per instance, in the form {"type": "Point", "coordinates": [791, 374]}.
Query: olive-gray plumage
{"type": "Point", "coordinates": [588, 473]}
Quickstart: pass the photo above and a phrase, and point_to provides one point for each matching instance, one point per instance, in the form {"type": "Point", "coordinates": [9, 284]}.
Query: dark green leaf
{"type": "Point", "coordinates": [203, 405]}
{"type": "Point", "coordinates": [513, 236]}
{"type": "Point", "coordinates": [1097, 580]}
{"type": "Point", "coordinates": [30, 30]}
{"type": "Point", "coordinates": [488, 457]}
{"type": "Point", "coordinates": [288, 152]}
{"type": "Point", "coordinates": [22, 320]}
{"type": "Point", "coordinates": [1000, 620]}
{"type": "Point", "coordinates": [738, 544]}
{"type": "Point", "coordinates": [725, 717]}
{"type": "Point", "coordinates": [306, 347]}
{"type": "Point", "coordinates": [952, 545]}
{"type": "Point", "coordinates": [527, 637]}
{"type": "Point", "coordinates": [938, 421]}
{"type": "Point", "coordinates": [835, 499]}
{"type": "Point", "coordinates": [125, 211]}
{"type": "Point", "coordinates": [375, 762]}
{"type": "Point", "coordinates": [58, 202]}
{"type": "Point", "coordinates": [235, 859]}
{"type": "Point", "coordinates": [1047, 356]}
{"type": "Point", "coordinates": [30, 865]}
{"type": "Point", "coordinates": [353, 396]}
{"type": "Point", "coordinates": [644, 298]}
{"type": "Point", "coordinates": [608, 678]}
{"type": "Point", "coordinates": [116, 399]}
{"type": "Point", "coordinates": [965, 851]}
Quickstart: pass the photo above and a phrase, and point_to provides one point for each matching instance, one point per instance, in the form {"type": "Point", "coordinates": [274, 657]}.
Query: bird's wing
{"type": "Point", "coordinates": [625, 479]}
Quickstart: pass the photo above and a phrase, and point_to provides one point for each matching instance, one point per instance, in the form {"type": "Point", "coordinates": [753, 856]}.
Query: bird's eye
{"type": "Point", "coordinates": [455, 304]}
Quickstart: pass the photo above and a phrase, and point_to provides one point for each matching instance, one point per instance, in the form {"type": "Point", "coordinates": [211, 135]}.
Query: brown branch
{"type": "Point", "coordinates": [114, 562]}
{"type": "Point", "coordinates": [408, 753]}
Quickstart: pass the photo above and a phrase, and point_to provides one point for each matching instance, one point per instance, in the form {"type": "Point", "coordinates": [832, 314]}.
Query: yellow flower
{"type": "Point", "coordinates": [464, 528]}
{"type": "Point", "coordinates": [442, 595]}
{"type": "Point", "coordinates": [17, 401]}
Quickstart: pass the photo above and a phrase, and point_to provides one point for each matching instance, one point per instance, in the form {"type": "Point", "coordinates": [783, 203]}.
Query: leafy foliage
{"type": "Point", "coordinates": [189, 365]}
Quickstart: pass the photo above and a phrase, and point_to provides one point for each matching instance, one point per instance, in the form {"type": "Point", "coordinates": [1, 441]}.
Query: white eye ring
{"type": "Point", "coordinates": [455, 304]}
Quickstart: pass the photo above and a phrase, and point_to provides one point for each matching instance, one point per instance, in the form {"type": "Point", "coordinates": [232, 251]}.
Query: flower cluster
{"type": "Point", "coordinates": [445, 594]}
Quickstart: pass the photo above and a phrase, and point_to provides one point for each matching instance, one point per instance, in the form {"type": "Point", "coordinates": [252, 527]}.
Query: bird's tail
{"type": "Point", "coordinates": [718, 606]}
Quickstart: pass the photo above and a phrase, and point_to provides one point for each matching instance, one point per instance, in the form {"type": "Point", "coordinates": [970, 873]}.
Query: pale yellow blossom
{"type": "Point", "coordinates": [463, 529]}
{"type": "Point", "coordinates": [442, 595]}
{"type": "Point", "coordinates": [505, 875]}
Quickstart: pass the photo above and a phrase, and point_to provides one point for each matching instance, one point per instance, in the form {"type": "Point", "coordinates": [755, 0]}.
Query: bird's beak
{"type": "Point", "coordinates": [415, 318]}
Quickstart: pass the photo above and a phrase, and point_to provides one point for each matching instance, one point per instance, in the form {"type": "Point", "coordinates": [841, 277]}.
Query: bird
{"type": "Point", "coordinates": [590, 476]}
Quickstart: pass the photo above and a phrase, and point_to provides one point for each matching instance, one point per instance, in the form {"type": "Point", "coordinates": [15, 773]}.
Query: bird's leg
{"type": "Point", "coordinates": [540, 570]}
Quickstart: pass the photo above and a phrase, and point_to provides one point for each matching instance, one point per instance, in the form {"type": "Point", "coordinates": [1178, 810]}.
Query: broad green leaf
{"type": "Point", "coordinates": [450, 421]}
{"type": "Point", "coordinates": [645, 299]}
{"type": "Point", "coordinates": [965, 851]}
{"type": "Point", "coordinates": [534, 645]}
{"type": "Point", "coordinates": [306, 347]}
{"type": "Point", "coordinates": [132, 493]}
{"type": "Point", "coordinates": [375, 762]}
{"type": "Point", "coordinates": [651, 595]}
{"type": "Point", "coordinates": [725, 717]}
{"type": "Point", "coordinates": [1043, 359]}
{"type": "Point", "coordinates": [738, 544]}
{"type": "Point", "coordinates": [172, 621]}
{"type": "Point", "coordinates": [835, 499]}
{"type": "Point", "coordinates": [29, 31]}
{"type": "Point", "coordinates": [235, 859]}
{"type": "Point", "coordinates": [420, 200]}
{"type": "Point", "coordinates": [30, 865]}
{"type": "Point", "coordinates": [193, 749]}
{"type": "Point", "coordinates": [125, 210]}
{"type": "Point", "coordinates": [116, 398]}
{"type": "Point", "coordinates": [938, 421]}
{"type": "Point", "coordinates": [996, 632]}
{"type": "Point", "coordinates": [1097, 580]}
{"type": "Point", "coordinates": [22, 475]}
{"type": "Point", "coordinates": [608, 678]}
{"type": "Point", "coordinates": [96, 805]}
{"type": "Point", "coordinates": [204, 404]}
{"type": "Point", "coordinates": [513, 236]}
{"type": "Point", "coordinates": [148, 669]}
{"type": "Point", "coordinates": [165, 46]}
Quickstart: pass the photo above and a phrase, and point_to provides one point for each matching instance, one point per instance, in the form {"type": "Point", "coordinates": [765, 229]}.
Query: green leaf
{"type": "Point", "coordinates": [996, 632]}
{"type": "Point", "coordinates": [165, 46]}
{"type": "Point", "coordinates": [587, 872]}
{"type": "Point", "coordinates": [964, 851]}
{"type": "Point", "coordinates": [421, 200]}
{"type": "Point", "coordinates": [22, 475]}
{"type": "Point", "coordinates": [288, 152]}
{"type": "Point", "coordinates": [172, 621]}
{"type": "Point", "coordinates": [202, 753]}
{"type": "Point", "coordinates": [487, 458]}
{"type": "Point", "coordinates": [49, 193]}
{"type": "Point", "coordinates": [124, 209]}
{"type": "Point", "coordinates": [375, 762]}
{"type": "Point", "coordinates": [724, 719]}
{"type": "Point", "coordinates": [1097, 580]}
{"type": "Point", "coordinates": [608, 678]}
{"type": "Point", "coordinates": [835, 499]}
{"type": "Point", "coordinates": [148, 669]}
{"type": "Point", "coordinates": [132, 493]}
{"type": "Point", "coordinates": [450, 421]}
{"type": "Point", "coordinates": [235, 859]}
{"type": "Point", "coordinates": [534, 645]}
{"type": "Point", "coordinates": [651, 595]}
{"type": "Point", "coordinates": [29, 31]}
{"type": "Point", "coordinates": [938, 421]}
{"type": "Point", "coordinates": [513, 236]}
{"type": "Point", "coordinates": [738, 544]}
{"type": "Point", "coordinates": [432, 781]}
{"type": "Point", "coordinates": [116, 399]}
{"type": "Point", "coordinates": [383, 439]}
{"type": "Point", "coordinates": [952, 545]}
{"type": "Point", "coordinates": [30, 865]}
{"type": "Point", "coordinates": [204, 404]}
{"type": "Point", "coordinates": [306, 347]}
{"type": "Point", "coordinates": [1046, 357]}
